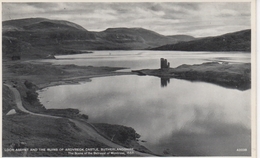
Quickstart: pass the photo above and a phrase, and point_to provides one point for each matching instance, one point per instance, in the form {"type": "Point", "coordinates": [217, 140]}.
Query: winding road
{"type": "Point", "coordinates": [83, 126]}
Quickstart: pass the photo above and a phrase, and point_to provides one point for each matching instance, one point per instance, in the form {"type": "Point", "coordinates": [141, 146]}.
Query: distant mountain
{"type": "Point", "coordinates": [237, 41]}
{"type": "Point", "coordinates": [134, 38]}
{"type": "Point", "coordinates": [40, 37]}
{"type": "Point", "coordinates": [183, 38]}
{"type": "Point", "coordinates": [40, 24]}
{"type": "Point", "coordinates": [39, 31]}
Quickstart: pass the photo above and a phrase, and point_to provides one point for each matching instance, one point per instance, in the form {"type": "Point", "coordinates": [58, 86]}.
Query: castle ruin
{"type": "Point", "coordinates": [164, 63]}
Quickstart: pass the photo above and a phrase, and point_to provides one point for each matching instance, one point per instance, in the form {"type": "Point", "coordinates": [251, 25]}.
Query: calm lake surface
{"type": "Point", "coordinates": [147, 59]}
{"type": "Point", "coordinates": [182, 118]}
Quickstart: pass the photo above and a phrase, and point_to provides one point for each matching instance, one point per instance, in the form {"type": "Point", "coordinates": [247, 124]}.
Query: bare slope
{"type": "Point", "coordinates": [39, 23]}
{"type": "Point", "coordinates": [237, 41]}
{"type": "Point", "coordinates": [135, 37]}
{"type": "Point", "coordinates": [39, 37]}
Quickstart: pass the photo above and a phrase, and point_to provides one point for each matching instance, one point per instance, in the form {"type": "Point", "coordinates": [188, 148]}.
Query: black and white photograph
{"type": "Point", "coordinates": [129, 79]}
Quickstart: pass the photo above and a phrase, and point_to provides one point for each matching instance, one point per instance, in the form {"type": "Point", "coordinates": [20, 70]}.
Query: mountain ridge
{"type": "Point", "coordinates": [56, 35]}
{"type": "Point", "coordinates": [26, 24]}
{"type": "Point", "coordinates": [235, 41]}
{"type": "Point", "coordinates": [41, 37]}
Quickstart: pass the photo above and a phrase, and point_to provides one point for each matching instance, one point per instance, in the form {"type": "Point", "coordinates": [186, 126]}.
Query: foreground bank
{"type": "Point", "coordinates": [34, 127]}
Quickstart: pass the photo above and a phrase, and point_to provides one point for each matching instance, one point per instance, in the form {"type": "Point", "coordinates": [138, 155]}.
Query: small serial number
{"type": "Point", "coordinates": [242, 149]}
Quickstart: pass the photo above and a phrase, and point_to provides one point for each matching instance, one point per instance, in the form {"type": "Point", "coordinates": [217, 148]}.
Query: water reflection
{"type": "Point", "coordinates": [165, 82]}
{"type": "Point", "coordinates": [185, 118]}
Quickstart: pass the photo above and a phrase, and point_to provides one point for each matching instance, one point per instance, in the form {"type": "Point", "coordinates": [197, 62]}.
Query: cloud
{"type": "Point", "coordinates": [165, 18]}
{"type": "Point", "coordinates": [46, 6]}
{"type": "Point", "coordinates": [16, 8]}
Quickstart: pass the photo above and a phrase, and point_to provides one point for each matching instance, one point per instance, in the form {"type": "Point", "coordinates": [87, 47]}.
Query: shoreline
{"type": "Point", "coordinates": [69, 81]}
{"type": "Point", "coordinates": [47, 75]}
{"type": "Point", "coordinates": [90, 126]}
{"type": "Point", "coordinates": [25, 84]}
{"type": "Point", "coordinates": [235, 76]}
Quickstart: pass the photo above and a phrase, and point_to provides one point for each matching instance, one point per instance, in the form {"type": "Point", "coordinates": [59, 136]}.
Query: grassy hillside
{"type": "Point", "coordinates": [44, 38]}
{"type": "Point", "coordinates": [38, 23]}
{"type": "Point", "coordinates": [237, 41]}
{"type": "Point", "coordinates": [40, 37]}
{"type": "Point", "coordinates": [135, 37]}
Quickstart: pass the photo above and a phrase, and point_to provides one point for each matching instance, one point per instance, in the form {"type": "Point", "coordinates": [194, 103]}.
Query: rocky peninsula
{"type": "Point", "coordinates": [237, 75]}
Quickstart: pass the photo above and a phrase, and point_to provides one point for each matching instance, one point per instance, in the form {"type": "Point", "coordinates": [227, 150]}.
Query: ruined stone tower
{"type": "Point", "coordinates": [164, 63]}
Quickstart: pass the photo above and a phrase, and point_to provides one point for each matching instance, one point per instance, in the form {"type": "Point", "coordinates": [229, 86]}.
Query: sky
{"type": "Point", "coordinates": [167, 18]}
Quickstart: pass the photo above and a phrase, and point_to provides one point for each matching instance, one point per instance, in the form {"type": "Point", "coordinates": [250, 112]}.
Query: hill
{"type": "Point", "coordinates": [44, 38]}
{"type": "Point", "coordinates": [134, 38]}
{"type": "Point", "coordinates": [183, 38]}
{"type": "Point", "coordinates": [40, 37]}
{"type": "Point", "coordinates": [40, 24]}
{"type": "Point", "coordinates": [237, 41]}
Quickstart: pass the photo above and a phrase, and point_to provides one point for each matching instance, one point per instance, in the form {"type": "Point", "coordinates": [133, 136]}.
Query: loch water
{"type": "Point", "coordinates": [173, 116]}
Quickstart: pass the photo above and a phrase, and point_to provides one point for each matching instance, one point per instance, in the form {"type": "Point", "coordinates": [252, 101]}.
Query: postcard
{"type": "Point", "coordinates": [129, 78]}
